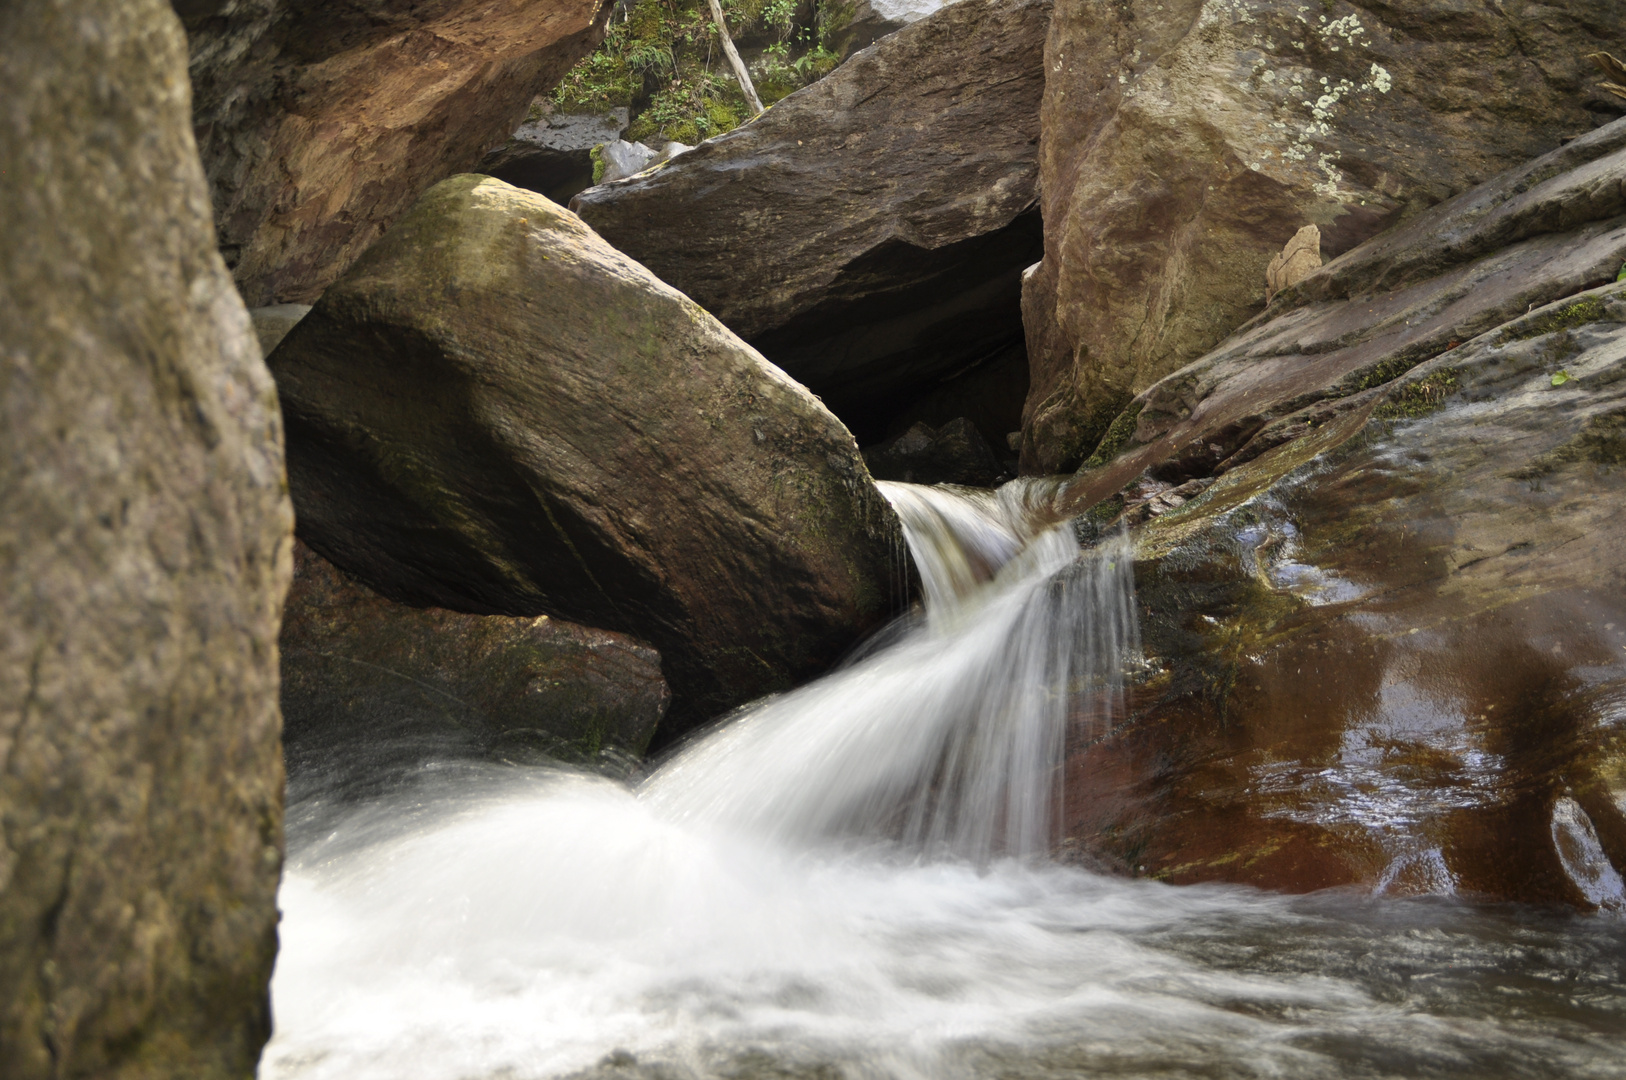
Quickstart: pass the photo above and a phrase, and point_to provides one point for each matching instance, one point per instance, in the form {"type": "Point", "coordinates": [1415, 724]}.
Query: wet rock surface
{"type": "Point", "coordinates": [365, 678]}
{"type": "Point", "coordinates": [867, 233]}
{"type": "Point", "coordinates": [1532, 236]}
{"type": "Point", "coordinates": [144, 533]}
{"type": "Point", "coordinates": [1385, 619]}
{"type": "Point", "coordinates": [1185, 143]}
{"type": "Point", "coordinates": [319, 123]}
{"type": "Point", "coordinates": [495, 412]}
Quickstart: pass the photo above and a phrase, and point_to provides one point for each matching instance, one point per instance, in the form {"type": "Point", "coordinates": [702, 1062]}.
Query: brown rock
{"type": "Point", "coordinates": [1298, 260]}
{"type": "Point", "coordinates": [496, 412]}
{"type": "Point", "coordinates": [867, 233]}
{"type": "Point", "coordinates": [364, 678]}
{"type": "Point", "coordinates": [321, 122]}
{"type": "Point", "coordinates": [1387, 646]}
{"type": "Point", "coordinates": [1179, 139]}
{"type": "Point", "coordinates": [144, 535]}
{"type": "Point", "coordinates": [1531, 236]}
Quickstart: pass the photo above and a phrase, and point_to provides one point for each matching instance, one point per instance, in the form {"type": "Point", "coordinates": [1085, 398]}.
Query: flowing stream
{"type": "Point", "coordinates": [850, 881]}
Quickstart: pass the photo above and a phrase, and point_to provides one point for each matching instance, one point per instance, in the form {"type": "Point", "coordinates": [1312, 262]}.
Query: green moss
{"type": "Point", "coordinates": [1386, 372]}
{"type": "Point", "coordinates": [1588, 309]}
{"type": "Point", "coordinates": [1119, 432]}
{"type": "Point", "coordinates": [597, 154]}
{"type": "Point", "coordinates": [663, 62]}
{"type": "Point", "coordinates": [1420, 398]}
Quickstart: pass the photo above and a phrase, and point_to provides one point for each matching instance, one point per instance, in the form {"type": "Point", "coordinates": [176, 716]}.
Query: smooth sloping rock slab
{"type": "Point", "coordinates": [496, 412]}
{"type": "Point", "coordinates": [1185, 142]}
{"type": "Point", "coordinates": [1391, 652]}
{"type": "Point", "coordinates": [370, 686]}
{"type": "Point", "coordinates": [867, 233]}
{"type": "Point", "coordinates": [321, 121]}
{"type": "Point", "coordinates": [144, 537]}
{"type": "Point", "coordinates": [1534, 235]}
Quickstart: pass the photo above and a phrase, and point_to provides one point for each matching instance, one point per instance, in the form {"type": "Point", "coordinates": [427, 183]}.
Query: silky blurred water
{"type": "Point", "coordinates": [850, 881]}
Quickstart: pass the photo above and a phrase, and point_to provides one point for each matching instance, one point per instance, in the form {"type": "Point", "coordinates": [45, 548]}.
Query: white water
{"type": "Point", "coordinates": [844, 881]}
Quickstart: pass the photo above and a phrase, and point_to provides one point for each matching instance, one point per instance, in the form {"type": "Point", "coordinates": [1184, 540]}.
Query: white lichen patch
{"type": "Point", "coordinates": [1348, 30]}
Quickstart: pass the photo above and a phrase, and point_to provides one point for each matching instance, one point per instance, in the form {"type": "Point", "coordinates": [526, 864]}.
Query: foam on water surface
{"type": "Point", "coordinates": [849, 881]}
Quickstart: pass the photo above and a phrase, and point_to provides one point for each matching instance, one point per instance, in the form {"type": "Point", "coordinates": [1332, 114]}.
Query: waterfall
{"type": "Point", "coordinates": [846, 881]}
{"type": "Point", "coordinates": [949, 739]}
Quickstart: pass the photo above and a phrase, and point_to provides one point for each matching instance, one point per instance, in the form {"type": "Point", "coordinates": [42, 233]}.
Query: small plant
{"type": "Point", "coordinates": [1561, 377]}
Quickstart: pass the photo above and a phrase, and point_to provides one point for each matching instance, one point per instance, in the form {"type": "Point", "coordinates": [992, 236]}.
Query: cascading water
{"type": "Point", "coordinates": [848, 881]}
{"type": "Point", "coordinates": [950, 738]}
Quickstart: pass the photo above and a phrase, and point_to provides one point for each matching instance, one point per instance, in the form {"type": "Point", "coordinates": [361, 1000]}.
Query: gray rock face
{"type": "Point", "coordinates": [144, 538]}
{"type": "Point", "coordinates": [271, 324]}
{"type": "Point", "coordinates": [1385, 603]}
{"type": "Point", "coordinates": [1185, 142]}
{"type": "Point", "coordinates": [868, 232]}
{"type": "Point", "coordinates": [623, 159]}
{"type": "Point", "coordinates": [320, 121]}
{"type": "Point", "coordinates": [552, 154]}
{"type": "Point", "coordinates": [496, 412]}
{"type": "Point", "coordinates": [370, 687]}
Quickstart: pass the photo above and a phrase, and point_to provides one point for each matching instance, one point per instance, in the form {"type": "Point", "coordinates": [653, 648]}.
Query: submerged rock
{"type": "Point", "coordinates": [1387, 646]}
{"type": "Point", "coordinates": [144, 536]}
{"type": "Point", "coordinates": [496, 412]}
{"type": "Point", "coordinates": [358, 669]}
{"type": "Point", "coordinates": [319, 123]}
{"type": "Point", "coordinates": [867, 233]}
{"type": "Point", "coordinates": [1184, 143]}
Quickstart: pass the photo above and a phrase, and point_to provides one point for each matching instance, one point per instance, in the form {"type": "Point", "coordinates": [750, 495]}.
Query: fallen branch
{"type": "Point", "coordinates": [734, 59]}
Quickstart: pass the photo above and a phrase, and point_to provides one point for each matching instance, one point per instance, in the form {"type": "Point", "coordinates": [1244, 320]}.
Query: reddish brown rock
{"type": "Point", "coordinates": [320, 123]}
{"type": "Point", "coordinates": [1185, 141]}
{"type": "Point", "coordinates": [365, 679]}
{"type": "Point", "coordinates": [1387, 645]}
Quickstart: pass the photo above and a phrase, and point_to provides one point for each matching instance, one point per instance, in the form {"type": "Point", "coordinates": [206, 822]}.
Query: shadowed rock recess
{"type": "Point", "coordinates": [364, 679]}
{"type": "Point", "coordinates": [1185, 141]}
{"type": "Point", "coordinates": [1385, 608]}
{"type": "Point", "coordinates": [867, 233]}
{"type": "Point", "coordinates": [320, 121]}
{"type": "Point", "coordinates": [496, 412]}
{"type": "Point", "coordinates": [144, 537]}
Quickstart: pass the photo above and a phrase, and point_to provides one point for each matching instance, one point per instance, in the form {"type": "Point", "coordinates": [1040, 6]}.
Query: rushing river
{"type": "Point", "coordinates": [849, 881]}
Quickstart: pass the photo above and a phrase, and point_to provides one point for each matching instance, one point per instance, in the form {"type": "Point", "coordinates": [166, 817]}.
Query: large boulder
{"type": "Point", "coordinates": [370, 686]}
{"type": "Point", "coordinates": [496, 412]}
{"type": "Point", "coordinates": [1385, 609]}
{"type": "Point", "coordinates": [144, 538]}
{"type": "Point", "coordinates": [867, 233]}
{"type": "Point", "coordinates": [320, 121]}
{"type": "Point", "coordinates": [1186, 142]}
